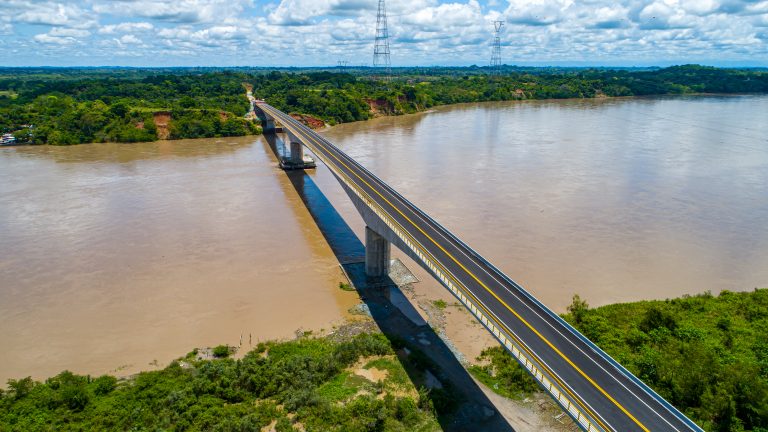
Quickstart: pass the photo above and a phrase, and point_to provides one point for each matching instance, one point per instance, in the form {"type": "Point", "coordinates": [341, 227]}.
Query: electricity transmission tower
{"type": "Point", "coordinates": [496, 53]}
{"type": "Point", "coordinates": [381, 44]}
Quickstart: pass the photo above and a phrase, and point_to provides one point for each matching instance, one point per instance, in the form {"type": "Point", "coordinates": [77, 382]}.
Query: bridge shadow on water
{"type": "Point", "coordinates": [461, 403]}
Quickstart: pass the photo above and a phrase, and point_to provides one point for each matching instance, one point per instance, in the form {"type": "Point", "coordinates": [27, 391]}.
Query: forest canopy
{"type": "Point", "coordinates": [70, 106]}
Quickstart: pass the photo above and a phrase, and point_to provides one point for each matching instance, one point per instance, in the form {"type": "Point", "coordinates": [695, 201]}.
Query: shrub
{"type": "Point", "coordinates": [221, 351]}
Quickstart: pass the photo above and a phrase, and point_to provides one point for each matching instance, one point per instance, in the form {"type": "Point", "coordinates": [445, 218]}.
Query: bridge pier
{"type": "Point", "coordinates": [377, 251]}
{"type": "Point", "coordinates": [297, 156]}
{"type": "Point", "coordinates": [268, 125]}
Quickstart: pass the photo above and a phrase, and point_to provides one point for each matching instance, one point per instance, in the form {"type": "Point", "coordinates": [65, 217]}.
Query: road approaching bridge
{"type": "Point", "coordinates": [597, 392]}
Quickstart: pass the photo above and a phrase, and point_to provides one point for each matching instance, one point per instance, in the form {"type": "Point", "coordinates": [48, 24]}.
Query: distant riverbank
{"type": "Point", "coordinates": [82, 106]}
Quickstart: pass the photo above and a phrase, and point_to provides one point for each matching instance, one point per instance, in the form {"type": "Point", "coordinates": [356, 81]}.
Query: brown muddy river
{"type": "Point", "coordinates": [113, 255]}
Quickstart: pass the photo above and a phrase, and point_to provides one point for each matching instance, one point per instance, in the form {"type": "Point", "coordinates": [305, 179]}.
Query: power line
{"type": "Point", "coordinates": [496, 52]}
{"type": "Point", "coordinates": [381, 43]}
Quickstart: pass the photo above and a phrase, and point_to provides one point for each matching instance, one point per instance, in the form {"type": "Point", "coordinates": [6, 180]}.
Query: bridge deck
{"type": "Point", "coordinates": [597, 392]}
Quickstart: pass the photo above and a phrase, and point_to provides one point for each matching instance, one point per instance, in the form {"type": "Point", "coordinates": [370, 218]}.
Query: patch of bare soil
{"type": "Point", "coordinates": [311, 122]}
{"type": "Point", "coordinates": [379, 107]}
{"type": "Point", "coordinates": [467, 338]}
{"type": "Point", "coordinates": [162, 120]}
{"type": "Point", "coordinates": [535, 413]}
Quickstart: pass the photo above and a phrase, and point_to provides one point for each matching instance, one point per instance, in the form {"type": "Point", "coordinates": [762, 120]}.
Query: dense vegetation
{"type": "Point", "coordinates": [706, 355]}
{"type": "Point", "coordinates": [66, 106]}
{"type": "Point", "coordinates": [307, 382]}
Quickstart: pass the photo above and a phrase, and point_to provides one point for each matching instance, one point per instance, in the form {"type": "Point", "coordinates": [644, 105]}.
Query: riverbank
{"type": "Point", "coordinates": [355, 378]}
{"type": "Point", "coordinates": [126, 255]}
{"type": "Point", "coordinates": [82, 106]}
{"type": "Point", "coordinates": [706, 355]}
{"type": "Point", "coordinates": [654, 211]}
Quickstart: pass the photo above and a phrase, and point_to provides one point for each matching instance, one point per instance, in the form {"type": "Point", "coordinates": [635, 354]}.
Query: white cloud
{"type": "Point", "coordinates": [305, 12]}
{"type": "Point", "coordinates": [127, 27]}
{"type": "Point", "coordinates": [45, 38]}
{"type": "Point", "coordinates": [177, 11]}
{"type": "Point", "coordinates": [660, 15]}
{"type": "Point", "coordinates": [537, 12]}
{"type": "Point", "coordinates": [313, 32]}
{"type": "Point", "coordinates": [69, 32]}
{"type": "Point", "coordinates": [51, 13]}
{"type": "Point", "coordinates": [130, 39]}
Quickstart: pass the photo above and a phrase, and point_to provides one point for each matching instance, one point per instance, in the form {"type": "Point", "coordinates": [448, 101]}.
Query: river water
{"type": "Point", "coordinates": [114, 255]}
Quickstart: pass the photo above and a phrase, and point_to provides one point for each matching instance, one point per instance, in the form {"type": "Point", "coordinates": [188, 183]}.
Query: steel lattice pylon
{"type": "Point", "coordinates": [496, 53]}
{"type": "Point", "coordinates": [381, 45]}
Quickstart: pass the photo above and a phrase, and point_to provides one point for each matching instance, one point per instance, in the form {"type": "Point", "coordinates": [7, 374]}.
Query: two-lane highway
{"type": "Point", "coordinates": [594, 389]}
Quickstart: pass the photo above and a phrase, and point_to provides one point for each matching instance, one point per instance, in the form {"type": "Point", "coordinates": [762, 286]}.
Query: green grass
{"type": "Point", "coordinates": [340, 388]}
{"type": "Point", "coordinates": [345, 286]}
{"type": "Point", "coordinates": [440, 304]}
{"type": "Point", "coordinates": [396, 374]}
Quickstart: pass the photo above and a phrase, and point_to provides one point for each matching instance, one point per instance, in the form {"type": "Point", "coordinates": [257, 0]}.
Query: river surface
{"type": "Point", "coordinates": [113, 255]}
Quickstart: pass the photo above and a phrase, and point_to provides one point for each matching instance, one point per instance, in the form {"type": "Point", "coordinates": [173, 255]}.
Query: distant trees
{"type": "Point", "coordinates": [76, 105]}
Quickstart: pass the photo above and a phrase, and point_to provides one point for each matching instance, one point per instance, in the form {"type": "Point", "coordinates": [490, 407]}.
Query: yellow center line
{"type": "Point", "coordinates": [523, 346]}
{"type": "Point", "coordinates": [459, 285]}
{"type": "Point", "coordinates": [553, 347]}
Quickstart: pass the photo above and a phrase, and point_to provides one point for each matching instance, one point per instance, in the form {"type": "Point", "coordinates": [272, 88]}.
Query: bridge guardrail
{"type": "Point", "coordinates": [556, 391]}
{"type": "Point", "coordinates": [432, 263]}
{"type": "Point", "coordinates": [548, 311]}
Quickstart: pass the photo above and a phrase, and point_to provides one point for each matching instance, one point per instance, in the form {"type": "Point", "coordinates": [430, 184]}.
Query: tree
{"type": "Point", "coordinates": [578, 309]}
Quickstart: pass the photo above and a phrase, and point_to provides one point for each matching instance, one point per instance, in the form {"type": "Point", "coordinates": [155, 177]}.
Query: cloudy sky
{"type": "Point", "coordinates": [422, 32]}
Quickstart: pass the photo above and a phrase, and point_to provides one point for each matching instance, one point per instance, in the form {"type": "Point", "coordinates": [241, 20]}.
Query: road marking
{"type": "Point", "coordinates": [460, 247]}
{"type": "Point", "coordinates": [564, 386]}
{"type": "Point", "coordinates": [546, 341]}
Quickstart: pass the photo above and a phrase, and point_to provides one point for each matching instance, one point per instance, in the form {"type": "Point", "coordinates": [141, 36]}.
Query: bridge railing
{"type": "Point", "coordinates": [511, 342]}
{"type": "Point", "coordinates": [446, 277]}
{"type": "Point", "coordinates": [528, 295]}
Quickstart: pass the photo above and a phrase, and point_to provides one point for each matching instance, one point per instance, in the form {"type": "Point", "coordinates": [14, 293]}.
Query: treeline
{"type": "Point", "coordinates": [303, 382]}
{"type": "Point", "coordinates": [82, 105]}
{"type": "Point", "coordinates": [50, 109]}
{"type": "Point", "coordinates": [706, 355]}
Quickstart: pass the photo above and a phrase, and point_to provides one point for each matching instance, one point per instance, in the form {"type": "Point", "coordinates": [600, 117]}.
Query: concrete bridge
{"type": "Point", "coordinates": [595, 390]}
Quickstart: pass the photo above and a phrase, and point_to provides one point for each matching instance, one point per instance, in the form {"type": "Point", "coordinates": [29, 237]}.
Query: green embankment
{"type": "Point", "coordinates": [92, 105]}
{"type": "Point", "coordinates": [314, 382]}
{"type": "Point", "coordinates": [707, 355]}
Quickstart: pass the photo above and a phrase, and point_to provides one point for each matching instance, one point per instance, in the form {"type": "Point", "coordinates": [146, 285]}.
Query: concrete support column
{"type": "Point", "coordinates": [297, 155]}
{"type": "Point", "coordinates": [268, 125]}
{"type": "Point", "coordinates": [376, 254]}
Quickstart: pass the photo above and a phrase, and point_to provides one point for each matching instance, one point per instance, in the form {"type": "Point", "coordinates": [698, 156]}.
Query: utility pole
{"type": "Point", "coordinates": [381, 43]}
{"type": "Point", "coordinates": [496, 53]}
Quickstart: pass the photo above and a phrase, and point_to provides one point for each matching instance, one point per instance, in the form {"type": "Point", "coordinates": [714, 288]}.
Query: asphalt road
{"type": "Point", "coordinates": [611, 398]}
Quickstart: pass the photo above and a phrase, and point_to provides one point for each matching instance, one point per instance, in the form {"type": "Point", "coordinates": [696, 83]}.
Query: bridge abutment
{"type": "Point", "coordinates": [377, 253]}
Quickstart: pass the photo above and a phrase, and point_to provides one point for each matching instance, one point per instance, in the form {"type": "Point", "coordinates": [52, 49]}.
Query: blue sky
{"type": "Point", "coordinates": [423, 32]}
